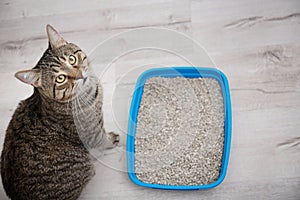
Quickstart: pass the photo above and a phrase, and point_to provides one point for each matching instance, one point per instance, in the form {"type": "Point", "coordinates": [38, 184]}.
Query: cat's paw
{"type": "Point", "coordinates": [114, 138]}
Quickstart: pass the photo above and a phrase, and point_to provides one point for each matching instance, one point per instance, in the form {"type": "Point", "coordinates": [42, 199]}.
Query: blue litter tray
{"type": "Point", "coordinates": [187, 72]}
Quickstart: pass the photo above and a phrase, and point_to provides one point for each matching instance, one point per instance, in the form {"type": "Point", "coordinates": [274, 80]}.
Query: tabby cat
{"type": "Point", "coordinates": [44, 156]}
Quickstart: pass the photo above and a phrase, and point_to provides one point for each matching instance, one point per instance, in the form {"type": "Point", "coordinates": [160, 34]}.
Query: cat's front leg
{"type": "Point", "coordinates": [110, 140]}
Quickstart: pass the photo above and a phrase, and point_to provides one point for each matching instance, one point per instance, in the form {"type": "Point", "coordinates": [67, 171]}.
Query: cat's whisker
{"type": "Point", "coordinates": [84, 102]}
{"type": "Point", "coordinates": [78, 106]}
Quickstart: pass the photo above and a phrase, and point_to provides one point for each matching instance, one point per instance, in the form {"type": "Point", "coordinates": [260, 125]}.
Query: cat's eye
{"type": "Point", "coordinates": [60, 78]}
{"type": "Point", "coordinates": [72, 59]}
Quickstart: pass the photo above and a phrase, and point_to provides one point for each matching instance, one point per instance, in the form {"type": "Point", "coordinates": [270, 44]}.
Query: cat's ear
{"type": "Point", "coordinates": [55, 40]}
{"type": "Point", "coordinates": [31, 76]}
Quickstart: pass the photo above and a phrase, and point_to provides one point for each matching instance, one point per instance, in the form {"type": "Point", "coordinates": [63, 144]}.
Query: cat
{"type": "Point", "coordinates": [45, 153]}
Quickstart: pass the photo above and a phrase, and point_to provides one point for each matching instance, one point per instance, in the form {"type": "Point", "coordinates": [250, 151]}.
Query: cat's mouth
{"type": "Point", "coordinates": [84, 79]}
{"type": "Point", "coordinates": [81, 76]}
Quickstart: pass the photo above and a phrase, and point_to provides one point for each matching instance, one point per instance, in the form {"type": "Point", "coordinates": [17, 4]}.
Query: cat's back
{"type": "Point", "coordinates": [19, 124]}
{"type": "Point", "coordinates": [36, 161]}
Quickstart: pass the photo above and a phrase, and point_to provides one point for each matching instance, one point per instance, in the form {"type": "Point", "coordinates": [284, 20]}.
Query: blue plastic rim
{"type": "Point", "coordinates": [188, 72]}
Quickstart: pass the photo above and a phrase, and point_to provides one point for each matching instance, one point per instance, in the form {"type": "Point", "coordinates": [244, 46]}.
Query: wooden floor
{"type": "Point", "coordinates": [255, 43]}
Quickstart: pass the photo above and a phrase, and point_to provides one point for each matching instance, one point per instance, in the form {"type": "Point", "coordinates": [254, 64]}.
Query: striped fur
{"type": "Point", "coordinates": [45, 153]}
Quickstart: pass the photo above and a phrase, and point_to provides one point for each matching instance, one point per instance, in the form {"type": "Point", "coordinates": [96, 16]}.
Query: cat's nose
{"type": "Point", "coordinates": [79, 75]}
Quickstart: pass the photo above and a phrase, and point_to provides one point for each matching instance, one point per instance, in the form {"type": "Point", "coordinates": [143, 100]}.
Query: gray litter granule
{"type": "Point", "coordinates": [180, 131]}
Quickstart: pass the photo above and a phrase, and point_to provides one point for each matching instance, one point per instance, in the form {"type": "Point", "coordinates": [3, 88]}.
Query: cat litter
{"type": "Point", "coordinates": [179, 129]}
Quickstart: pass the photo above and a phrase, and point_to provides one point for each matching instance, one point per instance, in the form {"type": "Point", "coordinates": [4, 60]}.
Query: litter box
{"type": "Point", "coordinates": [172, 72]}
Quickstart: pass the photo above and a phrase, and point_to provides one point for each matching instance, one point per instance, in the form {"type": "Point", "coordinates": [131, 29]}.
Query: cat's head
{"type": "Point", "coordinates": [62, 67]}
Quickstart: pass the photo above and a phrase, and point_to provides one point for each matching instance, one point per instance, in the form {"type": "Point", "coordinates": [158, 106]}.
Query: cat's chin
{"type": "Point", "coordinates": [85, 86]}
{"type": "Point", "coordinates": [81, 82]}
{"type": "Point", "coordinates": [86, 83]}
